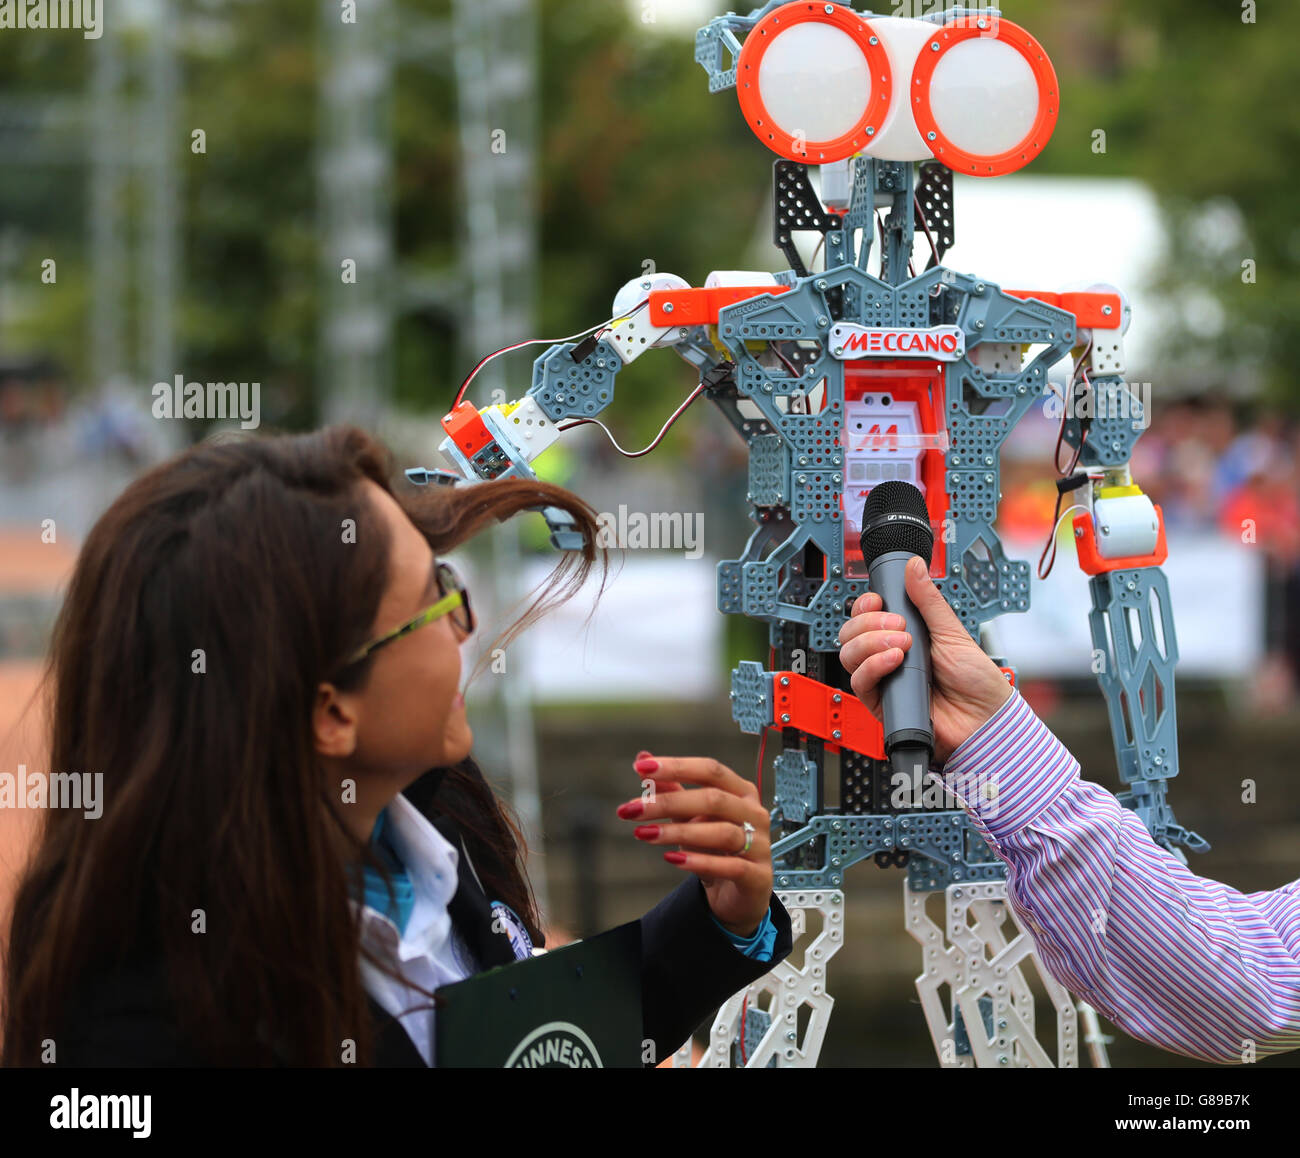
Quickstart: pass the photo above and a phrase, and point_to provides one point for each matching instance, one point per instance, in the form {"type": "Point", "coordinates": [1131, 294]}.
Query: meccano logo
{"type": "Point", "coordinates": [942, 343]}
{"type": "Point", "coordinates": [555, 1045]}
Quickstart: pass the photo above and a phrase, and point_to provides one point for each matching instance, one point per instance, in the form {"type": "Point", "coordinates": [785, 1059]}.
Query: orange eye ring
{"type": "Point", "coordinates": [756, 114]}
{"type": "Point", "coordinates": [943, 149]}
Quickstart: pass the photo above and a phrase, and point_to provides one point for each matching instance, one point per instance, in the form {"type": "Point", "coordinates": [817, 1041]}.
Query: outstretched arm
{"type": "Point", "coordinates": [1185, 963]}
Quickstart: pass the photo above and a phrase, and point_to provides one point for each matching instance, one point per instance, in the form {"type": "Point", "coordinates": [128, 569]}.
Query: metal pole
{"type": "Point", "coordinates": [496, 85]}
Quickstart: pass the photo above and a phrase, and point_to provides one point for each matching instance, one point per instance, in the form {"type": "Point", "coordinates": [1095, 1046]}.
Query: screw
{"type": "Point", "coordinates": [785, 718]}
{"type": "Point", "coordinates": [934, 46]}
{"type": "Point", "coordinates": [837, 698]}
{"type": "Point", "coordinates": [820, 283]}
{"type": "Point", "coordinates": [823, 320]}
{"type": "Point", "coordinates": [1106, 310]}
{"type": "Point", "coordinates": [1078, 532]}
{"type": "Point", "coordinates": [931, 135]}
{"type": "Point", "coordinates": [785, 681]}
{"type": "Point", "coordinates": [835, 239]}
{"type": "Point", "coordinates": [668, 307]}
{"type": "Point", "coordinates": [835, 735]}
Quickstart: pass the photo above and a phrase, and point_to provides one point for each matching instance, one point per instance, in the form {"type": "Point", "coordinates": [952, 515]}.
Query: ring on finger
{"type": "Point", "coordinates": [749, 839]}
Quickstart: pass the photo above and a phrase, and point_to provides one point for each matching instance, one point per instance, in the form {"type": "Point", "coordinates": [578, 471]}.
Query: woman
{"type": "Point", "coordinates": [260, 652]}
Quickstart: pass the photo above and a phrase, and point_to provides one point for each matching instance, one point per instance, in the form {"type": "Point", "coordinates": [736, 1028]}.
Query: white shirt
{"type": "Point", "coordinates": [427, 953]}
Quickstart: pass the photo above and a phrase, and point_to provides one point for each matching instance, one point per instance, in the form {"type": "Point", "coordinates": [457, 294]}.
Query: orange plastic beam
{"type": "Point", "coordinates": [1089, 309]}
{"type": "Point", "coordinates": [821, 710]}
{"type": "Point", "coordinates": [696, 307]}
{"type": "Point", "coordinates": [813, 708]}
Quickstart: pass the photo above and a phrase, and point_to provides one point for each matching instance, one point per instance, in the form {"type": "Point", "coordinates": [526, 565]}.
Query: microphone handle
{"type": "Point", "coordinates": [905, 692]}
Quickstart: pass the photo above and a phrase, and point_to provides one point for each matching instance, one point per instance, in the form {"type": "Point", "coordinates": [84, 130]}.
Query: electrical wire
{"type": "Point", "coordinates": [658, 437]}
{"type": "Point", "coordinates": [934, 249]}
{"type": "Point", "coordinates": [784, 360]}
{"type": "Point", "coordinates": [1056, 526]}
{"type": "Point", "coordinates": [1067, 401]}
{"type": "Point", "coordinates": [460, 394]}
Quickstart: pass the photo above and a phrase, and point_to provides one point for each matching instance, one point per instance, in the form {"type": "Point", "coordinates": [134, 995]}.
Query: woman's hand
{"type": "Point", "coordinates": [966, 686]}
{"type": "Point", "coordinates": [709, 825]}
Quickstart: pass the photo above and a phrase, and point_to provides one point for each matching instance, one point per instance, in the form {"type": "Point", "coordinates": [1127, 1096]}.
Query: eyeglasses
{"type": "Point", "coordinates": [454, 602]}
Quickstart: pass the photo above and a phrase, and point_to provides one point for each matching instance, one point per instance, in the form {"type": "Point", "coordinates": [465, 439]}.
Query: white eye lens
{"type": "Point", "coordinates": [815, 82]}
{"type": "Point", "coordinates": [984, 97]}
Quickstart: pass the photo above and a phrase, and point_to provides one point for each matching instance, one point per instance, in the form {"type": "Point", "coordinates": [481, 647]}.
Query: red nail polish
{"type": "Point", "coordinates": [631, 809]}
{"type": "Point", "coordinates": [675, 857]}
{"type": "Point", "coordinates": [646, 765]}
{"type": "Point", "coordinates": [642, 754]}
{"type": "Point", "coordinates": [646, 832]}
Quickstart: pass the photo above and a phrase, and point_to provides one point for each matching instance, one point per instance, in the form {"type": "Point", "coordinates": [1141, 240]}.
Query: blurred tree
{"type": "Point", "coordinates": [641, 168]}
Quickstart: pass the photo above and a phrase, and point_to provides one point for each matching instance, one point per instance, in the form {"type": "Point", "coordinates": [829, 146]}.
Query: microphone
{"type": "Point", "coordinates": [896, 526]}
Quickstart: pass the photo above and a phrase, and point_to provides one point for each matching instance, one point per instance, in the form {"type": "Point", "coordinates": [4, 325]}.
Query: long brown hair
{"type": "Point", "coordinates": [207, 603]}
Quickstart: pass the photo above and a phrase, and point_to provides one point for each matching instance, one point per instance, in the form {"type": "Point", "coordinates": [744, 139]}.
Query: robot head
{"type": "Point", "coordinates": [818, 83]}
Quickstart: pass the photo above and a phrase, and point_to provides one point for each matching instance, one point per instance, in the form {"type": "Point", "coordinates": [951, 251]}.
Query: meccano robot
{"type": "Point", "coordinates": [837, 379]}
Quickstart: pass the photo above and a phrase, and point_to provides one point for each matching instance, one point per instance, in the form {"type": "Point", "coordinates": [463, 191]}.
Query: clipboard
{"type": "Point", "coordinates": [577, 1007]}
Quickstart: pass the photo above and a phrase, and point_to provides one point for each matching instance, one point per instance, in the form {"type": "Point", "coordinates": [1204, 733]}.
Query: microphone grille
{"type": "Point", "coordinates": [895, 518]}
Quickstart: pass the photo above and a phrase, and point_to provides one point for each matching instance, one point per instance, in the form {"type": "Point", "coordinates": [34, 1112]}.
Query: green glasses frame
{"type": "Point", "coordinates": [454, 598]}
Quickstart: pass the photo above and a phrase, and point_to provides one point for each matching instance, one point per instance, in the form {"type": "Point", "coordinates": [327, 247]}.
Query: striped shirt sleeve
{"type": "Point", "coordinates": [1185, 963]}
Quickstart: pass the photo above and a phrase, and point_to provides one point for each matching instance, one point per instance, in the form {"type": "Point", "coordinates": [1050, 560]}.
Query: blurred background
{"type": "Point", "coordinates": [352, 214]}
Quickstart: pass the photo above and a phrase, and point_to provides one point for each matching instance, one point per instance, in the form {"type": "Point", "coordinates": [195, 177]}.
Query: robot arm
{"type": "Point", "coordinates": [575, 381]}
{"type": "Point", "coordinates": [1120, 542]}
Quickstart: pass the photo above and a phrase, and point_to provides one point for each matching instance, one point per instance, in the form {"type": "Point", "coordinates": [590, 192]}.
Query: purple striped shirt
{"type": "Point", "coordinates": [1185, 963]}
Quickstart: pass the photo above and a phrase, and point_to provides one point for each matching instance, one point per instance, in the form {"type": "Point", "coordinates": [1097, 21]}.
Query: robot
{"type": "Point", "coordinates": [838, 379]}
